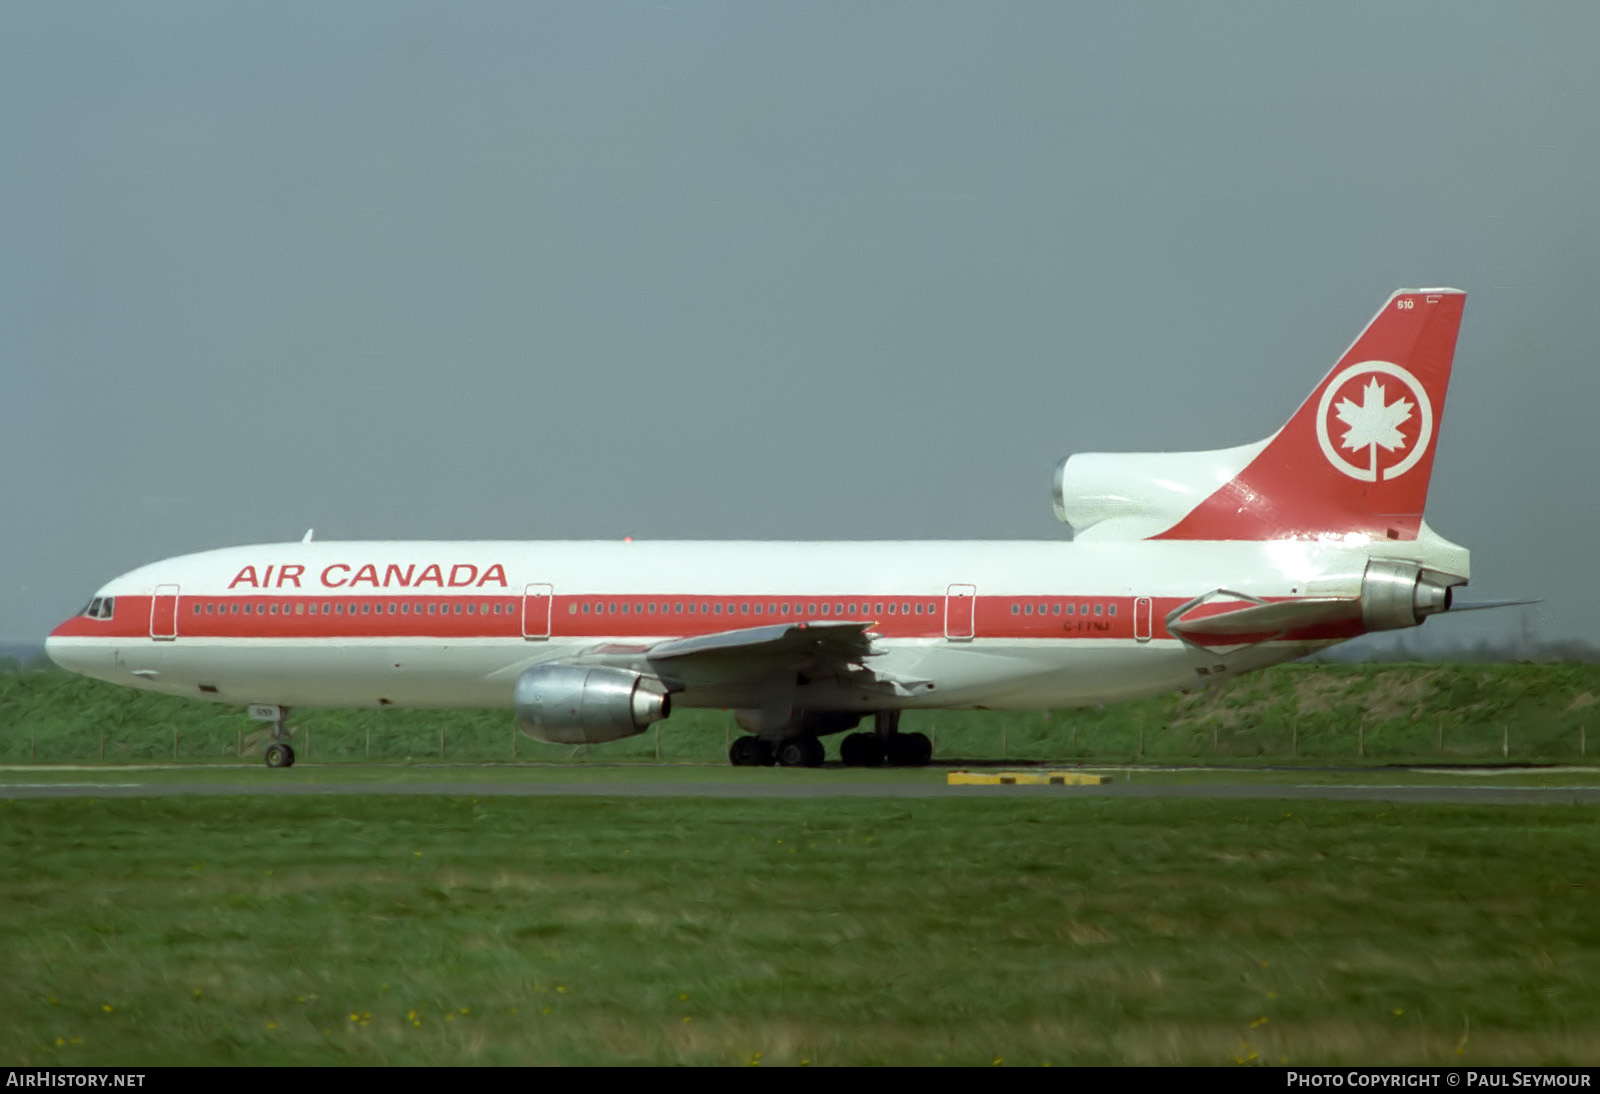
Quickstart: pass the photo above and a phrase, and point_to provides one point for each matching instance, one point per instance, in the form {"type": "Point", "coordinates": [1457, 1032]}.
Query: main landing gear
{"type": "Point", "coordinates": [885, 744]}
{"type": "Point", "coordinates": [796, 751]}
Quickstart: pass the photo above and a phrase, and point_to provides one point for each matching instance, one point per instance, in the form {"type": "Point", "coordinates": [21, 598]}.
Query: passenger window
{"type": "Point", "coordinates": [247, 608]}
{"type": "Point", "coordinates": [1055, 609]}
{"type": "Point", "coordinates": [1016, 609]}
{"type": "Point", "coordinates": [1028, 610]}
{"type": "Point", "coordinates": [300, 607]}
{"type": "Point", "coordinates": [625, 609]}
{"type": "Point", "coordinates": [716, 609]}
{"type": "Point", "coordinates": [197, 608]}
{"type": "Point", "coordinates": [1097, 608]}
{"type": "Point", "coordinates": [825, 609]}
{"type": "Point", "coordinates": [274, 609]}
{"type": "Point", "coordinates": [1113, 610]}
{"type": "Point", "coordinates": [811, 609]}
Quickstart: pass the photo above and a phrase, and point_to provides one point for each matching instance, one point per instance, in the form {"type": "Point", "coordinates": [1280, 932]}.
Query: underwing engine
{"type": "Point", "coordinates": [1398, 594]}
{"type": "Point", "coordinates": [578, 704]}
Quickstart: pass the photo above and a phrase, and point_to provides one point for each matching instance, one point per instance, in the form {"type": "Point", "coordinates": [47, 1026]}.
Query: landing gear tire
{"type": "Point", "coordinates": [279, 754]}
{"type": "Point", "coordinates": [800, 752]}
{"type": "Point", "coordinates": [750, 752]}
{"type": "Point", "coordinates": [910, 750]}
{"type": "Point", "coordinates": [861, 750]}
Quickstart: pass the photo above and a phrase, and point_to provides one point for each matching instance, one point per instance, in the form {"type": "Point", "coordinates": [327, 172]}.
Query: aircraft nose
{"type": "Point", "coordinates": [69, 651]}
{"type": "Point", "coordinates": [55, 648]}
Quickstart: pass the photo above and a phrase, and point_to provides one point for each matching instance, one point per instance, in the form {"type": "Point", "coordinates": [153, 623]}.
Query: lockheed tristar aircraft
{"type": "Point", "coordinates": [1185, 568]}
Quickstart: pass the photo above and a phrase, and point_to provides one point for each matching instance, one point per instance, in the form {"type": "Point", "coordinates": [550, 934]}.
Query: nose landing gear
{"type": "Point", "coordinates": [279, 753]}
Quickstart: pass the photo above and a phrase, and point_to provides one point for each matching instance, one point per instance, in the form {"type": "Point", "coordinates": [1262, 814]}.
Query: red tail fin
{"type": "Point", "coordinates": [1358, 454]}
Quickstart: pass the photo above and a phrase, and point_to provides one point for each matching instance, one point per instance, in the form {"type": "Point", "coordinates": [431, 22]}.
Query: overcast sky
{"type": "Point", "coordinates": [809, 270]}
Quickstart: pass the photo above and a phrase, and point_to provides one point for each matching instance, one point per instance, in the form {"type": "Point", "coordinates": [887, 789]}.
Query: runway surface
{"type": "Point", "coordinates": [1475, 795]}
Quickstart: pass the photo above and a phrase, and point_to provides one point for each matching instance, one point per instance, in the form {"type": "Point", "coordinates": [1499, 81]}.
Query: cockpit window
{"type": "Point", "coordinates": [100, 607]}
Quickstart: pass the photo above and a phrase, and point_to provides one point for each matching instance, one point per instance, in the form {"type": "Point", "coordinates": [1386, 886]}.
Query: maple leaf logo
{"type": "Point", "coordinates": [1375, 423]}
{"type": "Point", "coordinates": [1372, 426]}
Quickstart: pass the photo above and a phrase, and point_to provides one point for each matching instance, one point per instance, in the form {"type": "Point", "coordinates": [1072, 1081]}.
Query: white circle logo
{"type": "Point", "coordinates": [1385, 416]}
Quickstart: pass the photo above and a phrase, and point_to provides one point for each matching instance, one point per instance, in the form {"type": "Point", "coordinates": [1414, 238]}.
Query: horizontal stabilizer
{"type": "Point", "coordinates": [1267, 619]}
{"type": "Point", "coordinates": [1458, 606]}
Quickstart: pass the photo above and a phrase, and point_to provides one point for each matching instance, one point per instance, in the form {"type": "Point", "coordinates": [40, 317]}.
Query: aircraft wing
{"type": "Point", "coordinates": [815, 649]}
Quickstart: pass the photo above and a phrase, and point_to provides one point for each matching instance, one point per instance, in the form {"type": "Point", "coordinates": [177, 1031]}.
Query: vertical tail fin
{"type": "Point", "coordinates": [1358, 454]}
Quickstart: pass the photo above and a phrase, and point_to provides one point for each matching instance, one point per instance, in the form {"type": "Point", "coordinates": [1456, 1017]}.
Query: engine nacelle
{"type": "Point", "coordinates": [1133, 495]}
{"type": "Point", "coordinates": [1398, 594]}
{"type": "Point", "coordinates": [578, 704]}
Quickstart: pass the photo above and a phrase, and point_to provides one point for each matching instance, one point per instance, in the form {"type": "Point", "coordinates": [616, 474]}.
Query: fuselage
{"type": "Point", "coordinates": [977, 624]}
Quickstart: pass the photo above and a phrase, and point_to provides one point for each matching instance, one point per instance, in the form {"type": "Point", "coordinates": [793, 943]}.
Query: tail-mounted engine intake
{"type": "Point", "coordinates": [1398, 594]}
{"type": "Point", "coordinates": [577, 704]}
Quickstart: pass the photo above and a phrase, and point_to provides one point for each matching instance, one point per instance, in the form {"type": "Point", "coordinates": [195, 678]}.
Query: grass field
{"type": "Point", "coordinates": [1294, 713]}
{"type": "Point", "coordinates": [822, 931]}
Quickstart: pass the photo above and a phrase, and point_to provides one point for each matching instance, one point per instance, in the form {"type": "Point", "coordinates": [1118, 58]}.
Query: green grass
{"type": "Point", "coordinates": [374, 930]}
{"type": "Point", "coordinates": [1294, 713]}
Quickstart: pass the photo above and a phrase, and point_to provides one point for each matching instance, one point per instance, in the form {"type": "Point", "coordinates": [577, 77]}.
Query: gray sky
{"type": "Point", "coordinates": [855, 270]}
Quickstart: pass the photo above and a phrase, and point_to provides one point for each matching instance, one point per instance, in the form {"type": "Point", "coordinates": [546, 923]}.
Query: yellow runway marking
{"type": "Point", "coordinates": [1024, 778]}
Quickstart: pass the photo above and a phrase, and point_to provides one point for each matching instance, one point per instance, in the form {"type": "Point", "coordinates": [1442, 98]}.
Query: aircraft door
{"type": "Point", "coordinates": [536, 611]}
{"type": "Point", "coordinates": [1143, 615]}
{"type": "Point", "coordinates": [960, 612]}
{"type": "Point", "coordinates": [164, 613]}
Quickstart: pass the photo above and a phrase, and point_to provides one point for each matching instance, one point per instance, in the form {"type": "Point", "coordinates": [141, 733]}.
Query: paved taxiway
{"type": "Point", "coordinates": [1473, 795]}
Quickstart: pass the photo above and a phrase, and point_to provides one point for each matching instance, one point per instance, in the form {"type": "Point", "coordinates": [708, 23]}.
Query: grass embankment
{"type": "Point", "coordinates": [454, 930]}
{"type": "Point", "coordinates": [1317, 713]}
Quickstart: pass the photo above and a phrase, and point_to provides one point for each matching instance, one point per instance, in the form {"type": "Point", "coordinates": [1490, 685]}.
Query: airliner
{"type": "Point", "coordinates": [1183, 569]}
